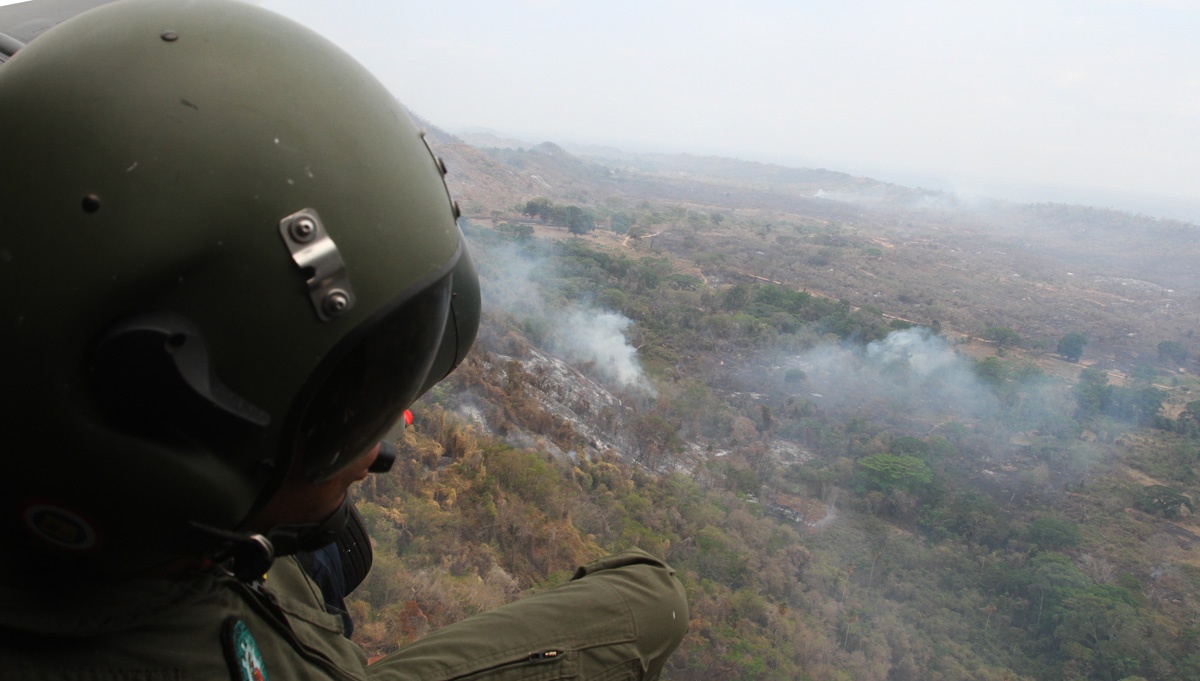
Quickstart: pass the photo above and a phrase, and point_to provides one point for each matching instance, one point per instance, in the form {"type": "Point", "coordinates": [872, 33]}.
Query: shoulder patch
{"type": "Point", "coordinates": [241, 651]}
{"type": "Point", "coordinates": [61, 527]}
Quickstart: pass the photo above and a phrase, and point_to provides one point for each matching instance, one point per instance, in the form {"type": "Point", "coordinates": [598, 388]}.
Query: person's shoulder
{"type": "Point", "coordinates": [69, 611]}
{"type": "Point", "coordinates": [207, 626]}
{"type": "Point", "coordinates": [145, 629]}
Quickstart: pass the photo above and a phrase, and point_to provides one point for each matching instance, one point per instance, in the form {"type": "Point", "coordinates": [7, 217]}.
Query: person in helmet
{"type": "Point", "coordinates": [228, 264]}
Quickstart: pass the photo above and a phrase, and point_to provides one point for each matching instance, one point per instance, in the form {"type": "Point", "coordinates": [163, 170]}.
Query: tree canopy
{"type": "Point", "coordinates": [1070, 346]}
{"type": "Point", "coordinates": [1168, 502]}
{"type": "Point", "coordinates": [576, 219]}
{"type": "Point", "coordinates": [1002, 336]}
{"type": "Point", "coordinates": [1172, 351]}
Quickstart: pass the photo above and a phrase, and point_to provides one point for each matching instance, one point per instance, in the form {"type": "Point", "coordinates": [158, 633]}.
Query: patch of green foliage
{"type": "Point", "coordinates": [887, 549]}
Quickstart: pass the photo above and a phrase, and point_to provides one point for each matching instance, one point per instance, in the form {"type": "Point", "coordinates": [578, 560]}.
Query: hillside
{"type": "Point", "coordinates": [730, 371]}
{"type": "Point", "coordinates": [1127, 281]}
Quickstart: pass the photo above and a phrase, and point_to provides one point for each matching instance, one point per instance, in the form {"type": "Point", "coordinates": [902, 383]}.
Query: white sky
{"type": "Point", "coordinates": [1078, 93]}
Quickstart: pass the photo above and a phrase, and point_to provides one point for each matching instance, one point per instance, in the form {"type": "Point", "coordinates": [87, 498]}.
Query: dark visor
{"type": "Point", "coordinates": [371, 378]}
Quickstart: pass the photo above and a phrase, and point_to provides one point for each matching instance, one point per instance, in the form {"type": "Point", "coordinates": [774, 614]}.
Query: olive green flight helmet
{"type": "Point", "coordinates": [225, 254]}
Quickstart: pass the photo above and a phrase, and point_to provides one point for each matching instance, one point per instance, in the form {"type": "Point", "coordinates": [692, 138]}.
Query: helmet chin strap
{"type": "Point", "coordinates": [291, 539]}
{"type": "Point", "coordinates": [254, 554]}
{"type": "Point", "coordinates": [251, 555]}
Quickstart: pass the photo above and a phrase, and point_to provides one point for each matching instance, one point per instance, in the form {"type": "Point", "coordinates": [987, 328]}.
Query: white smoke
{"type": "Point", "coordinates": [913, 367]}
{"type": "Point", "coordinates": [598, 336]}
{"type": "Point", "coordinates": [512, 280]}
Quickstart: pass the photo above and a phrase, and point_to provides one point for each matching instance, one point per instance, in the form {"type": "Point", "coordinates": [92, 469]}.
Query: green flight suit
{"type": "Point", "coordinates": [619, 618]}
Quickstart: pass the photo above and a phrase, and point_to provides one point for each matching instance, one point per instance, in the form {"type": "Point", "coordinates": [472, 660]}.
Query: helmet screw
{"type": "Point", "coordinates": [303, 230]}
{"type": "Point", "coordinates": [170, 36]}
{"type": "Point", "coordinates": [336, 302]}
{"type": "Point", "coordinates": [91, 203]}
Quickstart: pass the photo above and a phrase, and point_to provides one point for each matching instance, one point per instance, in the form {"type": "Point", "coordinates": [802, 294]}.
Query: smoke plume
{"type": "Point", "coordinates": [514, 281]}
{"type": "Point", "coordinates": [914, 367]}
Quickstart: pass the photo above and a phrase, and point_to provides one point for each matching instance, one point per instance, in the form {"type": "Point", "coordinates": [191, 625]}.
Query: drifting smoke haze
{"type": "Point", "coordinates": [512, 283]}
{"type": "Point", "coordinates": [917, 381]}
{"type": "Point", "coordinates": [913, 365]}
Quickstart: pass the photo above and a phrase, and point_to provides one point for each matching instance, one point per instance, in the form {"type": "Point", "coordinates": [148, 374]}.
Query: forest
{"type": "Point", "coordinates": [877, 440]}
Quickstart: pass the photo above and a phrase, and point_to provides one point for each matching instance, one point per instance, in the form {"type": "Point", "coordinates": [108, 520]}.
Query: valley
{"type": "Point", "coordinates": [838, 407]}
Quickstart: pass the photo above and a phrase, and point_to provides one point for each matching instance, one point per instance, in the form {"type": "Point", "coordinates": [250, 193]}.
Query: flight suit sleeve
{"type": "Point", "coordinates": [618, 618]}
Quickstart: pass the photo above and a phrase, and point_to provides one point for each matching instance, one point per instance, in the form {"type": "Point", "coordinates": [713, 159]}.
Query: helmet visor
{"type": "Point", "coordinates": [368, 381]}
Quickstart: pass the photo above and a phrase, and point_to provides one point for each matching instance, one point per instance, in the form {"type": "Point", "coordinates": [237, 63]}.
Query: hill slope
{"type": "Point", "coordinates": [844, 496]}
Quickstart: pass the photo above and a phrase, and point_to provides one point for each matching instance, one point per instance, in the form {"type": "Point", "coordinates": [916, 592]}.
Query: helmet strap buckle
{"type": "Point", "coordinates": [247, 556]}
{"type": "Point", "coordinates": [291, 539]}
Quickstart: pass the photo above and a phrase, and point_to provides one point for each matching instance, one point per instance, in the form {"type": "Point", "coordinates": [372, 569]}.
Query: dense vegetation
{"type": "Point", "coordinates": [837, 507]}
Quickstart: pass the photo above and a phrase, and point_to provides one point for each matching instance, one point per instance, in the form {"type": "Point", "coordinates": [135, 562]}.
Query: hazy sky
{"type": "Point", "coordinates": [1085, 93]}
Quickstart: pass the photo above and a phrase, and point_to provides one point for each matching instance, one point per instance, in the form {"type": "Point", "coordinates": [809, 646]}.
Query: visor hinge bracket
{"type": "Point", "coordinates": [319, 259]}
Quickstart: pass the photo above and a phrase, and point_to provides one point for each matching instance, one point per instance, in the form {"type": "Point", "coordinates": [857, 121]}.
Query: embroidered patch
{"type": "Point", "coordinates": [241, 651]}
{"type": "Point", "coordinates": [61, 527]}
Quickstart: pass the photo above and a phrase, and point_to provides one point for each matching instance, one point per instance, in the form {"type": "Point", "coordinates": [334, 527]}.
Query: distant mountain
{"type": "Point", "coordinates": [725, 168]}
{"type": "Point", "coordinates": [487, 138]}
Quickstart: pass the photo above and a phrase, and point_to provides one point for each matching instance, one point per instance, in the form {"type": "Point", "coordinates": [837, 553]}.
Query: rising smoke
{"type": "Point", "coordinates": [591, 335]}
{"type": "Point", "coordinates": [514, 282]}
{"type": "Point", "coordinates": [914, 367]}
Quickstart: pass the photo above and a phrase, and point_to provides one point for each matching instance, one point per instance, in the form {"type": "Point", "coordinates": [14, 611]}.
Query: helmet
{"type": "Point", "coordinates": [226, 253]}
